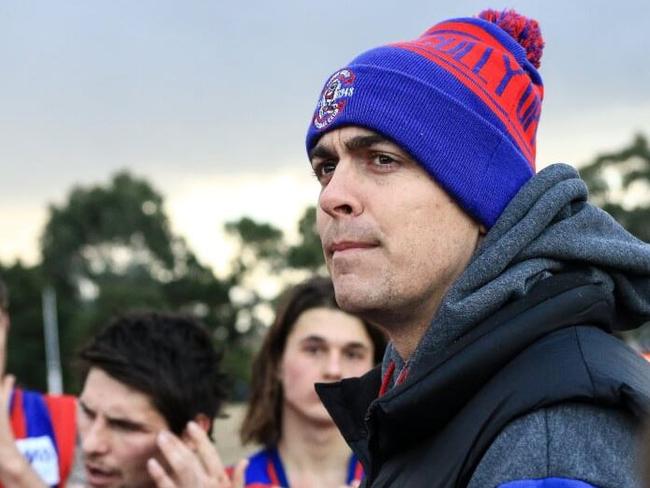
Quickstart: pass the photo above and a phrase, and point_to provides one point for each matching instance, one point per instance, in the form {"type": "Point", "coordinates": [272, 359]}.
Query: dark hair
{"type": "Point", "coordinates": [262, 423]}
{"type": "Point", "coordinates": [170, 358]}
{"type": "Point", "coordinates": [4, 297]}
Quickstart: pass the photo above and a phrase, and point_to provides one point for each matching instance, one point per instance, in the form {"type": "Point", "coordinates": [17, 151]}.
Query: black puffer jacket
{"type": "Point", "coordinates": [547, 349]}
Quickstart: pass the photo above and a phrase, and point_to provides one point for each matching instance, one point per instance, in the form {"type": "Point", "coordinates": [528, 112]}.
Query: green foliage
{"type": "Point", "coordinates": [26, 352]}
{"type": "Point", "coordinates": [619, 182]}
{"type": "Point", "coordinates": [258, 242]}
{"type": "Point", "coordinates": [109, 249]}
{"type": "Point", "coordinates": [261, 243]}
{"type": "Point", "coordinates": [83, 237]}
{"type": "Point", "coordinates": [308, 253]}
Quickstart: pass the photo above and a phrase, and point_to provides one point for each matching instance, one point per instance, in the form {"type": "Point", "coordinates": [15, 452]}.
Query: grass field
{"type": "Point", "coordinates": [226, 434]}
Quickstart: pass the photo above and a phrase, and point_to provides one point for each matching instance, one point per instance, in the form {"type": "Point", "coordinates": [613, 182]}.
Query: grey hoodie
{"type": "Point", "coordinates": [547, 227]}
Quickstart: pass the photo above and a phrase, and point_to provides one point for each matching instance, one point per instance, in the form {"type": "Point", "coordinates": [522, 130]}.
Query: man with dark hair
{"type": "Point", "coordinates": [146, 374]}
{"type": "Point", "coordinates": [498, 287]}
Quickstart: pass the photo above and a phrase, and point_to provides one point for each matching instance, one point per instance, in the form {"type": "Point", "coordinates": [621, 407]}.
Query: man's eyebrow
{"type": "Point", "coordinates": [312, 338]}
{"type": "Point", "coordinates": [364, 142]}
{"type": "Point", "coordinates": [353, 144]}
{"type": "Point", "coordinates": [356, 345]}
{"type": "Point", "coordinates": [322, 152]}
{"type": "Point", "coordinates": [134, 424]}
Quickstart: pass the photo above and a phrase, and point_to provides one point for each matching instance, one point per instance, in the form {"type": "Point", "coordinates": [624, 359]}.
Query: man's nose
{"type": "Point", "coordinates": [341, 197]}
{"type": "Point", "coordinates": [95, 438]}
{"type": "Point", "coordinates": [333, 370]}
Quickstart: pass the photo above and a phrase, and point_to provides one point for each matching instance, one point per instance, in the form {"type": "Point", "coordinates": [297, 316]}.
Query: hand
{"type": "Point", "coordinates": [4, 332]}
{"type": "Point", "coordinates": [193, 465]}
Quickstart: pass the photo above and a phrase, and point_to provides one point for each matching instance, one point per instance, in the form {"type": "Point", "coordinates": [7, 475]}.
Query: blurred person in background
{"type": "Point", "coordinates": [37, 431]}
{"type": "Point", "coordinates": [311, 341]}
{"type": "Point", "coordinates": [148, 377]}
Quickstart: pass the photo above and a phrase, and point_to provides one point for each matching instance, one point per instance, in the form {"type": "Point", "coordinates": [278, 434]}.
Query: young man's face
{"type": "Point", "coordinates": [324, 345]}
{"type": "Point", "coordinates": [118, 427]}
{"type": "Point", "coordinates": [393, 240]}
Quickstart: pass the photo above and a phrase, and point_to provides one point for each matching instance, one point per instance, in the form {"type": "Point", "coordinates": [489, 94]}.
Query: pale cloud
{"type": "Point", "coordinates": [200, 207]}
{"type": "Point", "coordinates": [21, 227]}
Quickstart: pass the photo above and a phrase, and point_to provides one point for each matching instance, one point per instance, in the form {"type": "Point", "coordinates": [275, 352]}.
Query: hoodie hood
{"type": "Point", "coordinates": [548, 228]}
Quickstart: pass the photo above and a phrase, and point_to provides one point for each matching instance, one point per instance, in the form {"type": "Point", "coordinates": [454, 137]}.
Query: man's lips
{"type": "Point", "coordinates": [99, 475]}
{"type": "Point", "coordinates": [342, 246]}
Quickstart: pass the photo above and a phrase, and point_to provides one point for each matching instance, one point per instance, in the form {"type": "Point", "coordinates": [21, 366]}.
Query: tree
{"type": "Point", "coordinates": [308, 253]}
{"type": "Point", "coordinates": [26, 351]}
{"type": "Point", "coordinates": [109, 249]}
{"type": "Point", "coordinates": [619, 183]}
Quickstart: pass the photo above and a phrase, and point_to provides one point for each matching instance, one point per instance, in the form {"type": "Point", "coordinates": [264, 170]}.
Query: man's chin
{"type": "Point", "coordinates": [352, 294]}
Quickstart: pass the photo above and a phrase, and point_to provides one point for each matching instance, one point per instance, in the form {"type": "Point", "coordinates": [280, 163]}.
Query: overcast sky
{"type": "Point", "coordinates": [210, 100]}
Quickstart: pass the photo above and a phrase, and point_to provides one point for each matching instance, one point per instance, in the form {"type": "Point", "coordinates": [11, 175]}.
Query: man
{"type": "Point", "coordinates": [37, 433]}
{"type": "Point", "coordinates": [148, 376]}
{"type": "Point", "coordinates": [498, 287]}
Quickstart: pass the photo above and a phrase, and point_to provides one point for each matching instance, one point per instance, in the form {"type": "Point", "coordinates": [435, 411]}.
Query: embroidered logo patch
{"type": "Point", "coordinates": [338, 89]}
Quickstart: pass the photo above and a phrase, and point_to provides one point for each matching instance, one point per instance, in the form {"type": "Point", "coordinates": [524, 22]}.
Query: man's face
{"type": "Point", "coordinates": [324, 345]}
{"type": "Point", "coordinates": [118, 427]}
{"type": "Point", "coordinates": [393, 240]}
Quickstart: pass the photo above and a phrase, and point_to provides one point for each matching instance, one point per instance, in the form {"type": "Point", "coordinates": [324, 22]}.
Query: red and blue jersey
{"type": "Point", "coordinates": [265, 469]}
{"type": "Point", "coordinates": [45, 430]}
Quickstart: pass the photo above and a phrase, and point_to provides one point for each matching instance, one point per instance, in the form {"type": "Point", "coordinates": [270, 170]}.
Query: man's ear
{"type": "Point", "coordinates": [204, 421]}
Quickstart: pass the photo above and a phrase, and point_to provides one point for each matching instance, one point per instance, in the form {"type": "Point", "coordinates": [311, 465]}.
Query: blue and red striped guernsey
{"type": "Point", "coordinates": [464, 99]}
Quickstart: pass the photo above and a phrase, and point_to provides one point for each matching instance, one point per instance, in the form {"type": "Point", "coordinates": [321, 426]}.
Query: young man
{"type": "Point", "coordinates": [147, 377]}
{"type": "Point", "coordinates": [497, 286]}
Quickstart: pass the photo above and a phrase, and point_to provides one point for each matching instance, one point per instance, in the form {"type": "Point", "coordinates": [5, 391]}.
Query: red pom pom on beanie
{"type": "Point", "coordinates": [522, 29]}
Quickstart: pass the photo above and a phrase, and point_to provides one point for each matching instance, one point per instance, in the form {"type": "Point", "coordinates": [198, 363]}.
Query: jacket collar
{"type": "Point", "coordinates": [431, 396]}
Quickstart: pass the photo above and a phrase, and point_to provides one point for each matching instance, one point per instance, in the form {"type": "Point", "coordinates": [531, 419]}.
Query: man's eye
{"type": "Point", "coordinates": [324, 168]}
{"type": "Point", "coordinates": [384, 159]}
{"type": "Point", "coordinates": [313, 350]}
{"type": "Point", "coordinates": [124, 426]}
{"type": "Point", "coordinates": [323, 171]}
{"type": "Point", "coordinates": [355, 354]}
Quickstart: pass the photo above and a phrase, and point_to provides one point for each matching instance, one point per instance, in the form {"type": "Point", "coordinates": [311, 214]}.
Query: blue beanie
{"type": "Point", "coordinates": [463, 100]}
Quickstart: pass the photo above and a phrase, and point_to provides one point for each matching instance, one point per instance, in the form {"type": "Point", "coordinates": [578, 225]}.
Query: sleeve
{"type": "Point", "coordinates": [571, 445]}
{"type": "Point", "coordinates": [63, 414]}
